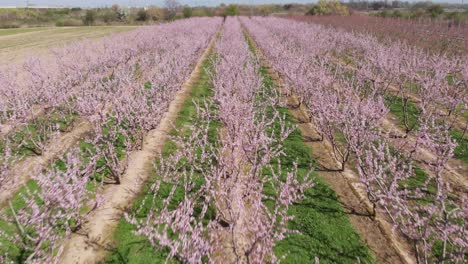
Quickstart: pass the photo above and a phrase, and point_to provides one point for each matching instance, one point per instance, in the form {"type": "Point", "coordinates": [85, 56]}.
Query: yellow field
{"type": "Point", "coordinates": [17, 44]}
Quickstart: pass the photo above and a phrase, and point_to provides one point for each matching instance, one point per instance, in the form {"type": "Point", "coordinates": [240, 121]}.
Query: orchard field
{"type": "Point", "coordinates": [235, 140]}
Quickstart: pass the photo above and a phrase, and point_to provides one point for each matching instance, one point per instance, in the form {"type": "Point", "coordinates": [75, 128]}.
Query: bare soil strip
{"type": "Point", "coordinates": [91, 244]}
{"type": "Point", "coordinates": [387, 246]}
{"type": "Point", "coordinates": [58, 145]}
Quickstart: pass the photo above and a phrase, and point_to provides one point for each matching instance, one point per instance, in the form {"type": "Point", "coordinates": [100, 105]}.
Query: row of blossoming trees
{"type": "Point", "coordinates": [434, 36]}
{"type": "Point", "coordinates": [342, 80]}
{"type": "Point", "coordinates": [209, 201]}
{"type": "Point", "coordinates": [118, 88]}
{"type": "Point", "coordinates": [217, 208]}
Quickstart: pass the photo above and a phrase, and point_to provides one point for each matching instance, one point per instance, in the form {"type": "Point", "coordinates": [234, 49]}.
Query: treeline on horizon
{"type": "Point", "coordinates": [120, 15]}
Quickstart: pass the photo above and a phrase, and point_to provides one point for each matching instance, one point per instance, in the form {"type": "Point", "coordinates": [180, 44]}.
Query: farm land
{"type": "Point", "coordinates": [234, 140]}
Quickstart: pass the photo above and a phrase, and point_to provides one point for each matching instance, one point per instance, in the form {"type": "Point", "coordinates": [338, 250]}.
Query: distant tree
{"type": "Point", "coordinates": [384, 13]}
{"type": "Point", "coordinates": [89, 18]}
{"type": "Point", "coordinates": [115, 8]}
{"type": "Point", "coordinates": [378, 5]}
{"type": "Point", "coordinates": [417, 13]}
{"type": "Point", "coordinates": [332, 7]}
{"type": "Point", "coordinates": [265, 10]}
{"type": "Point", "coordinates": [397, 13]}
{"type": "Point", "coordinates": [202, 11]}
{"type": "Point", "coordinates": [435, 10]}
{"type": "Point", "coordinates": [142, 15]}
{"type": "Point", "coordinates": [122, 14]}
{"type": "Point", "coordinates": [422, 5]}
{"type": "Point", "coordinates": [187, 12]}
{"type": "Point", "coordinates": [170, 9]}
{"type": "Point", "coordinates": [108, 15]}
{"type": "Point", "coordinates": [155, 13]}
{"type": "Point", "coordinates": [232, 10]}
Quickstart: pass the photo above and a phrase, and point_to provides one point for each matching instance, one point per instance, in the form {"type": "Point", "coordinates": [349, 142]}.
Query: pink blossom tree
{"type": "Point", "coordinates": [212, 191]}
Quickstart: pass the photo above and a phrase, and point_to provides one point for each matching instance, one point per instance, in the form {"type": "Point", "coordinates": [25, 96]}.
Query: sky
{"type": "Point", "coordinates": [102, 3]}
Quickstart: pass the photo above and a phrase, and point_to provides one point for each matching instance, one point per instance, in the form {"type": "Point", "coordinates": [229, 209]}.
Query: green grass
{"type": "Point", "coordinates": [461, 151]}
{"type": "Point", "coordinates": [15, 252]}
{"type": "Point", "coordinates": [396, 107]}
{"type": "Point", "coordinates": [325, 231]}
{"type": "Point", "coordinates": [14, 31]}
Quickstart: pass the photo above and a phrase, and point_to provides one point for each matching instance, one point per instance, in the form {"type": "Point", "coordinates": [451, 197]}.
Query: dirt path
{"type": "Point", "coordinates": [57, 146]}
{"type": "Point", "coordinates": [387, 246]}
{"type": "Point", "coordinates": [89, 246]}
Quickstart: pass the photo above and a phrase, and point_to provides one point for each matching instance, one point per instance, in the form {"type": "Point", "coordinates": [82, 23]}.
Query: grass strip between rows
{"type": "Point", "coordinates": [325, 230]}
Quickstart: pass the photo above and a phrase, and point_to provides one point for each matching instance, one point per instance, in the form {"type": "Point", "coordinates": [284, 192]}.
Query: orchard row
{"type": "Point", "coordinates": [393, 115]}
